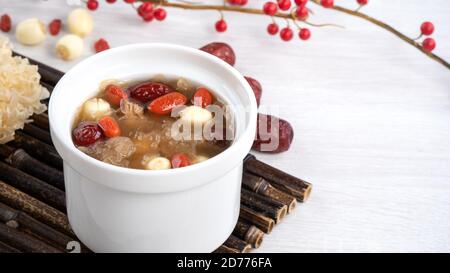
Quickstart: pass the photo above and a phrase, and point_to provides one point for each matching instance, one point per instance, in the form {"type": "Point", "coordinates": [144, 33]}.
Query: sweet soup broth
{"type": "Point", "coordinates": [132, 124]}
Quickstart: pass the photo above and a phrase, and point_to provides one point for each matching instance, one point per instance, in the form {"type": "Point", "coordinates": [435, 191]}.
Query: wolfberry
{"type": "Point", "coordinates": [114, 94]}
{"type": "Point", "coordinates": [202, 97]}
{"type": "Point", "coordinates": [109, 126]}
{"type": "Point", "coordinates": [164, 104]}
{"type": "Point", "coordinates": [180, 160]}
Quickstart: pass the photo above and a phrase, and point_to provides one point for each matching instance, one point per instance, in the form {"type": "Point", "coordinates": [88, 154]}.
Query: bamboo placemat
{"type": "Point", "coordinates": [32, 199]}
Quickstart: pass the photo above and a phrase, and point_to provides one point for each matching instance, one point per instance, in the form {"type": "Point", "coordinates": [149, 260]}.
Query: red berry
{"type": "Point", "coordinates": [301, 3]}
{"type": "Point", "coordinates": [304, 34]}
{"type": "Point", "coordinates": [302, 12]}
{"type": "Point", "coordinates": [114, 94]}
{"type": "Point", "coordinates": [363, 2]}
{"type": "Point", "coordinates": [284, 4]}
{"type": "Point", "coordinates": [148, 17]}
{"type": "Point", "coordinates": [202, 97]}
{"type": "Point", "coordinates": [111, 1]}
{"type": "Point", "coordinates": [180, 160]}
{"type": "Point", "coordinates": [86, 133]}
{"type": "Point", "coordinates": [160, 14]}
{"type": "Point", "coordinates": [164, 104]}
{"type": "Point", "coordinates": [148, 91]}
{"type": "Point", "coordinates": [54, 27]}
{"type": "Point", "coordinates": [429, 44]}
{"type": "Point", "coordinates": [5, 23]}
{"type": "Point", "coordinates": [272, 28]}
{"type": "Point", "coordinates": [92, 4]}
{"type": "Point", "coordinates": [221, 25]}
{"type": "Point", "coordinates": [286, 34]}
{"type": "Point", "coordinates": [427, 28]}
{"type": "Point", "coordinates": [238, 2]}
{"type": "Point", "coordinates": [101, 45]}
{"type": "Point", "coordinates": [270, 8]}
{"type": "Point", "coordinates": [327, 3]}
{"type": "Point", "coordinates": [145, 8]}
{"type": "Point", "coordinates": [129, 1]}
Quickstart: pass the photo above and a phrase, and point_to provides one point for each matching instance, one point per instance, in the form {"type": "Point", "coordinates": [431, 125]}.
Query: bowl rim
{"type": "Point", "coordinates": [233, 149]}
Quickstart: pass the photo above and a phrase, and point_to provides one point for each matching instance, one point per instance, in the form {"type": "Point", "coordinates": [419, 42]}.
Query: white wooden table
{"type": "Point", "coordinates": [371, 115]}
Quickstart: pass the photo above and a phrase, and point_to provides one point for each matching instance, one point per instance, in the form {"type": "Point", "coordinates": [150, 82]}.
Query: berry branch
{"type": "Point", "coordinates": [392, 30]}
{"type": "Point", "coordinates": [272, 29]}
{"type": "Point", "coordinates": [194, 6]}
{"type": "Point", "coordinates": [294, 12]}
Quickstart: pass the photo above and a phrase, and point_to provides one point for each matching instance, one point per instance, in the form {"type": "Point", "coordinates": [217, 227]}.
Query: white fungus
{"type": "Point", "coordinates": [20, 92]}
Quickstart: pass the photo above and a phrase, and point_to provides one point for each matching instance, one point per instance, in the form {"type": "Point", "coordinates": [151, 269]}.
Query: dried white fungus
{"type": "Point", "coordinates": [20, 92]}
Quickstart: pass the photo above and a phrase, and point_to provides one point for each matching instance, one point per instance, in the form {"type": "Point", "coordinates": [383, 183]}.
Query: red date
{"type": "Point", "coordinates": [222, 51]}
{"type": "Point", "coordinates": [86, 133]}
{"type": "Point", "coordinates": [148, 91]}
{"type": "Point", "coordinates": [273, 135]}
{"type": "Point", "coordinates": [257, 89]}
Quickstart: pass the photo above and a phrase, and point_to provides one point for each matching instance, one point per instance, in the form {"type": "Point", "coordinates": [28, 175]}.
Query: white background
{"type": "Point", "coordinates": [371, 115]}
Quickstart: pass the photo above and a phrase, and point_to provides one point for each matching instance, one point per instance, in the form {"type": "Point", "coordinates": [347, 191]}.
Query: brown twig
{"type": "Point", "coordinates": [222, 8]}
{"type": "Point", "coordinates": [389, 28]}
{"type": "Point", "coordinates": [356, 13]}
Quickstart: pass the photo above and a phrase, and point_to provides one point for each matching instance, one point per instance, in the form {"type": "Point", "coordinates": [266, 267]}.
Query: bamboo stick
{"type": "Point", "coordinates": [4, 248]}
{"type": "Point", "coordinates": [23, 161]}
{"type": "Point", "coordinates": [35, 187]}
{"type": "Point", "coordinates": [5, 151]}
{"type": "Point", "coordinates": [261, 186]}
{"type": "Point", "coordinates": [279, 179]}
{"type": "Point", "coordinates": [262, 222]}
{"type": "Point", "coordinates": [266, 206]}
{"type": "Point", "coordinates": [41, 121]}
{"type": "Point", "coordinates": [23, 241]}
{"type": "Point", "coordinates": [225, 249]}
{"type": "Point", "coordinates": [38, 149]}
{"type": "Point", "coordinates": [33, 227]}
{"type": "Point", "coordinates": [241, 246]}
{"type": "Point", "coordinates": [35, 208]}
{"type": "Point", "coordinates": [38, 133]}
{"type": "Point", "coordinates": [249, 233]}
{"type": "Point", "coordinates": [47, 85]}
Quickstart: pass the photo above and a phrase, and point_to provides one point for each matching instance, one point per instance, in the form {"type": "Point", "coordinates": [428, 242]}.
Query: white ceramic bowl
{"type": "Point", "coordinates": [115, 209]}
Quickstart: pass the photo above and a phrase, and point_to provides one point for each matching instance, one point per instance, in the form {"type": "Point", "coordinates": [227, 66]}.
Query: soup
{"type": "Point", "coordinates": [161, 123]}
